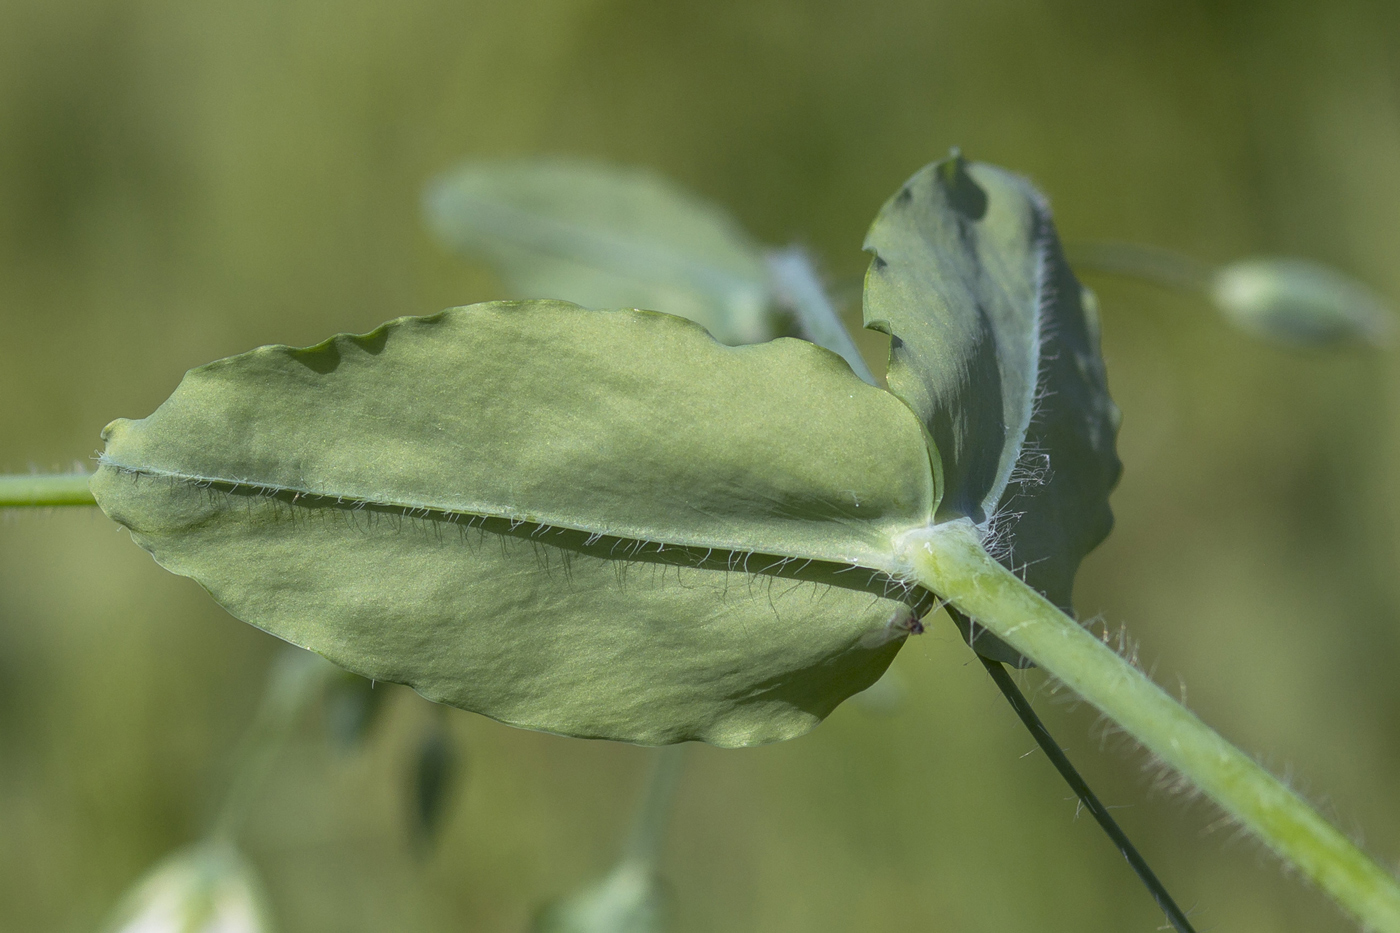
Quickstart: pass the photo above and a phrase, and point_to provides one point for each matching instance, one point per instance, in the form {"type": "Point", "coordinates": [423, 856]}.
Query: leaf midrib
{"type": "Point", "coordinates": [1017, 447]}
{"type": "Point", "coordinates": [894, 567]}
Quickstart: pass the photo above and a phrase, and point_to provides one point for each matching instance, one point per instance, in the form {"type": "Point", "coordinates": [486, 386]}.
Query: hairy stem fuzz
{"type": "Point", "coordinates": [949, 560]}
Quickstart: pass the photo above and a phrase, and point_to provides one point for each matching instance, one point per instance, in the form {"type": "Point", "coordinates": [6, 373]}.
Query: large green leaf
{"type": "Point", "coordinates": [606, 237]}
{"type": "Point", "coordinates": [995, 347]}
{"type": "Point", "coordinates": [595, 523]}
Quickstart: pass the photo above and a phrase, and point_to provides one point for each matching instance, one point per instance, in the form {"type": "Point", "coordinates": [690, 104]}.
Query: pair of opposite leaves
{"type": "Point", "coordinates": [606, 523]}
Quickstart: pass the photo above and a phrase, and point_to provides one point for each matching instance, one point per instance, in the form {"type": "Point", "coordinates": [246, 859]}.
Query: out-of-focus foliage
{"type": "Point", "coordinates": [206, 889]}
{"type": "Point", "coordinates": [629, 900]}
{"type": "Point", "coordinates": [179, 182]}
{"type": "Point", "coordinates": [1297, 302]}
{"type": "Point", "coordinates": [606, 237]}
{"type": "Point", "coordinates": [436, 774]}
{"type": "Point", "coordinates": [1289, 301]}
{"type": "Point", "coordinates": [351, 706]}
{"type": "Point", "coordinates": [884, 697]}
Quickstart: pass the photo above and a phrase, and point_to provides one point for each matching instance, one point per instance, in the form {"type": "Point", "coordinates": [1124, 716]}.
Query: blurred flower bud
{"type": "Point", "coordinates": [352, 705]}
{"type": "Point", "coordinates": [207, 888]}
{"type": "Point", "coordinates": [1299, 303]}
{"type": "Point", "coordinates": [437, 767]}
{"type": "Point", "coordinates": [629, 900]}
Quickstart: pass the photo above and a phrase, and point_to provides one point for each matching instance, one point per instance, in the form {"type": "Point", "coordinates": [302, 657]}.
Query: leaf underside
{"type": "Point", "coordinates": [995, 347]}
{"type": "Point", "coordinates": [605, 237]}
{"type": "Point", "coordinates": [598, 524]}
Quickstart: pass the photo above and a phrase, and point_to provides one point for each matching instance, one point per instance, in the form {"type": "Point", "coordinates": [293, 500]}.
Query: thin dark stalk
{"type": "Point", "coordinates": [1162, 266]}
{"type": "Point", "coordinates": [1091, 802]}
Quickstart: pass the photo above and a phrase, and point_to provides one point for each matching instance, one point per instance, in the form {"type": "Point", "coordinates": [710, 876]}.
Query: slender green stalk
{"type": "Point", "coordinates": [629, 899]}
{"type": "Point", "coordinates": [297, 677]}
{"type": "Point", "coordinates": [45, 489]}
{"type": "Point", "coordinates": [949, 560]}
{"type": "Point", "coordinates": [1148, 263]}
{"type": "Point", "coordinates": [798, 286]}
{"type": "Point", "coordinates": [649, 826]}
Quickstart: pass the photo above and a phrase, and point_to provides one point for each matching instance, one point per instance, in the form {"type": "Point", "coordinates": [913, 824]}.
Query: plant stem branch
{"type": "Point", "coordinates": [793, 274]}
{"type": "Point", "coordinates": [1148, 263]}
{"type": "Point", "coordinates": [1175, 916]}
{"type": "Point", "coordinates": [45, 489]}
{"type": "Point", "coordinates": [949, 560]}
{"type": "Point", "coordinates": [297, 677]}
{"type": "Point", "coordinates": [649, 826]}
{"type": "Point", "coordinates": [796, 282]}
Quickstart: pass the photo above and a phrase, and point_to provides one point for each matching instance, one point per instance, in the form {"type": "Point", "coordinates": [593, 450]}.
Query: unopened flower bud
{"type": "Point", "coordinates": [1300, 303]}
{"type": "Point", "coordinates": [203, 889]}
{"type": "Point", "coordinates": [629, 900]}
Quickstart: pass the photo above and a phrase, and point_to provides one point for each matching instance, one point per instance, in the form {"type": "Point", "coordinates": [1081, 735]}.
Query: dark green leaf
{"type": "Point", "coordinates": [995, 347]}
{"type": "Point", "coordinates": [596, 523]}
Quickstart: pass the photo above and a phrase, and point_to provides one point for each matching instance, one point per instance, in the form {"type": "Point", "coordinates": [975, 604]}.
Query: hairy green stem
{"type": "Point", "coordinates": [297, 676]}
{"type": "Point", "coordinates": [794, 267]}
{"type": "Point", "coordinates": [949, 560]}
{"type": "Point", "coordinates": [45, 489]}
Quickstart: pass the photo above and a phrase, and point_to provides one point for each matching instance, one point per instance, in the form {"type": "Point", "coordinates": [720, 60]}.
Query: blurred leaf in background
{"type": "Point", "coordinates": [603, 236]}
{"type": "Point", "coordinates": [630, 898]}
{"type": "Point", "coordinates": [438, 767]}
{"type": "Point", "coordinates": [352, 705]}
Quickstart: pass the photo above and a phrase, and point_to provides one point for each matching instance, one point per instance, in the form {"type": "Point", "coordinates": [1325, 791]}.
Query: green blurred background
{"type": "Point", "coordinates": [180, 181]}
